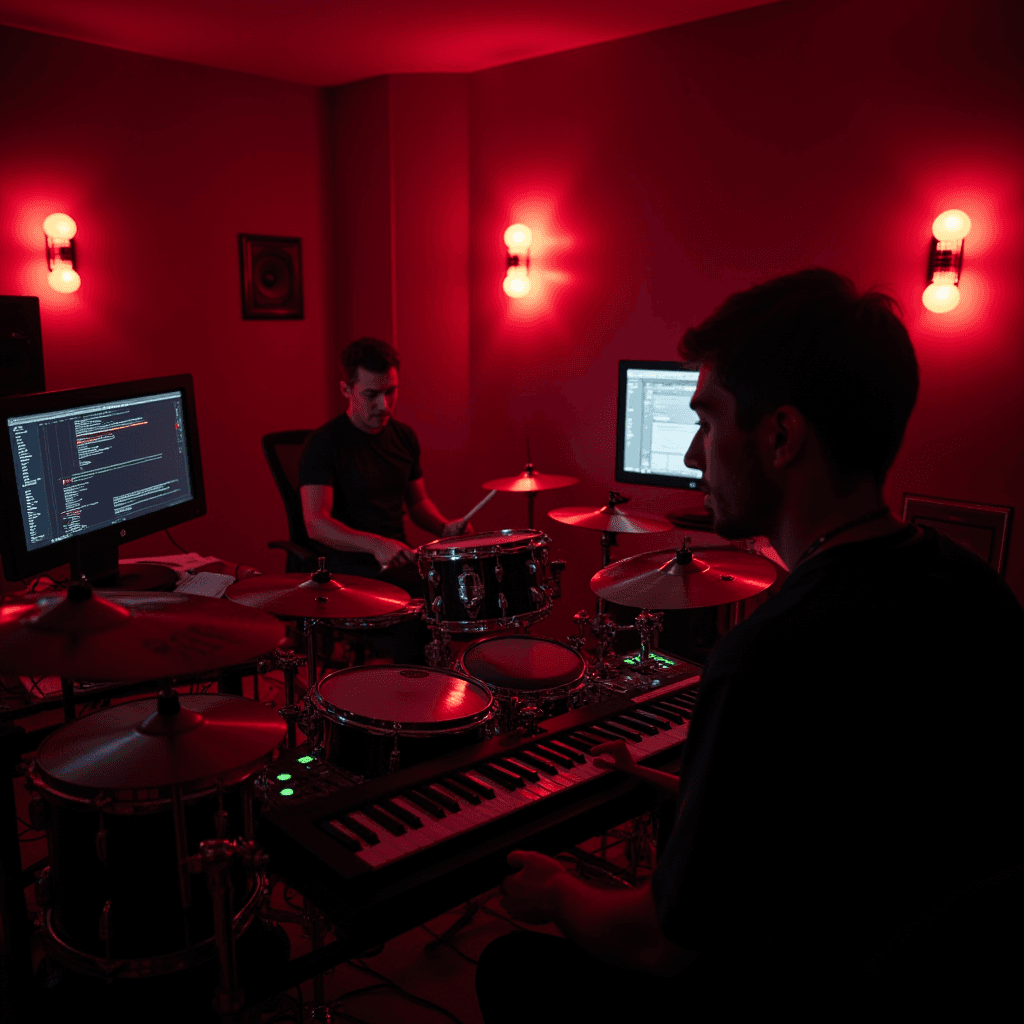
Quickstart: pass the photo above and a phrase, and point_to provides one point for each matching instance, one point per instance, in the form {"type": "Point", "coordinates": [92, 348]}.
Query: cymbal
{"type": "Point", "coordinates": [122, 635]}
{"type": "Point", "coordinates": [133, 746]}
{"type": "Point", "coordinates": [297, 595]}
{"type": "Point", "coordinates": [668, 579]}
{"type": "Point", "coordinates": [611, 519]}
{"type": "Point", "coordinates": [530, 481]}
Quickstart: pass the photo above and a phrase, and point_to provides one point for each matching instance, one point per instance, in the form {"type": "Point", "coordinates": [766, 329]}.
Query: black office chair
{"type": "Point", "coordinates": [283, 450]}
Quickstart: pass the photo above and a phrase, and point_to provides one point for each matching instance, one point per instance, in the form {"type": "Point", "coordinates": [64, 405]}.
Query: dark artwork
{"type": "Point", "coordinates": [271, 277]}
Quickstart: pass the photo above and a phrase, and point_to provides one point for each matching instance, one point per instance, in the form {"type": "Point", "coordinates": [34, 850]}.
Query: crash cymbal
{"type": "Point", "coordinates": [118, 634]}
{"type": "Point", "coordinates": [611, 519]}
{"type": "Point", "coordinates": [683, 579]}
{"type": "Point", "coordinates": [153, 743]}
{"type": "Point", "coordinates": [529, 482]}
{"type": "Point", "coordinates": [297, 595]}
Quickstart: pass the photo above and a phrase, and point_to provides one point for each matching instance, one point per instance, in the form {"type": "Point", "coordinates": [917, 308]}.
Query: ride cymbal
{"type": "Point", "coordinates": [297, 595]}
{"type": "Point", "coordinates": [121, 635]}
{"type": "Point", "coordinates": [611, 519]}
{"type": "Point", "coordinates": [682, 579]}
{"type": "Point", "coordinates": [164, 741]}
{"type": "Point", "coordinates": [529, 482]}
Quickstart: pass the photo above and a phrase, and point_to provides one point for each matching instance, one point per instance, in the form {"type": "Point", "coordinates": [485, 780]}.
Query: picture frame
{"type": "Point", "coordinates": [983, 529]}
{"type": "Point", "coordinates": [271, 274]}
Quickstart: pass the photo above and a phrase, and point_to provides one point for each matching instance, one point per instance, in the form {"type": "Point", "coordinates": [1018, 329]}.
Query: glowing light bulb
{"type": "Point", "coordinates": [60, 226]}
{"type": "Point", "coordinates": [64, 278]}
{"type": "Point", "coordinates": [940, 297]}
{"type": "Point", "coordinates": [951, 226]}
{"type": "Point", "coordinates": [518, 238]}
{"type": "Point", "coordinates": [516, 283]}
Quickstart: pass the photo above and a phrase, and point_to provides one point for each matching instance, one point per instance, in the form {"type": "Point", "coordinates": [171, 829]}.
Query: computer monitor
{"type": "Point", "coordinates": [655, 424]}
{"type": "Point", "coordinates": [85, 470]}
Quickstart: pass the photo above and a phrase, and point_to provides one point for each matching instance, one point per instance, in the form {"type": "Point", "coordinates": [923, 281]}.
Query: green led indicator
{"type": "Point", "coordinates": [283, 777]}
{"type": "Point", "coordinates": [305, 760]}
{"type": "Point", "coordinates": [287, 791]}
{"type": "Point", "coordinates": [656, 659]}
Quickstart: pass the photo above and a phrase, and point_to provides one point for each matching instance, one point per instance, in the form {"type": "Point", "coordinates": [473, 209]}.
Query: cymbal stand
{"type": "Point", "coordinates": [314, 924]}
{"type": "Point", "coordinates": [648, 625]}
{"type": "Point", "coordinates": [438, 651]}
{"type": "Point", "coordinates": [289, 662]}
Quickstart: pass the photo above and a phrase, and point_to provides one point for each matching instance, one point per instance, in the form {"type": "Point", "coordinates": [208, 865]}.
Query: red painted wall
{"type": "Point", "coordinates": [660, 173]}
{"type": "Point", "coordinates": [162, 164]}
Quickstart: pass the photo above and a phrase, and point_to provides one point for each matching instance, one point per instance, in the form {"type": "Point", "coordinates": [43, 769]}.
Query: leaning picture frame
{"type": "Point", "coordinates": [983, 529]}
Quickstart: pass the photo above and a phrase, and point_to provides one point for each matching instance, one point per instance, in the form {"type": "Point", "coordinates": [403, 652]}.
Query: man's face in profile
{"type": "Point", "coordinates": [372, 398]}
{"type": "Point", "coordinates": [740, 495]}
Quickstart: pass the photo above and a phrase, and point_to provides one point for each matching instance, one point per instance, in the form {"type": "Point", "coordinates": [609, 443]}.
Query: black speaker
{"type": "Point", "coordinates": [21, 346]}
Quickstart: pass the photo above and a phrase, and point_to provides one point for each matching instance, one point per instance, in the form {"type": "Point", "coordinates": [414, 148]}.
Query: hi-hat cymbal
{"type": "Point", "coordinates": [529, 482]}
{"type": "Point", "coordinates": [118, 634]}
{"type": "Point", "coordinates": [296, 595]}
{"type": "Point", "coordinates": [682, 579]}
{"type": "Point", "coordinates": [611, 519]}
{"type": "Point", "coordinates": [133, 746]}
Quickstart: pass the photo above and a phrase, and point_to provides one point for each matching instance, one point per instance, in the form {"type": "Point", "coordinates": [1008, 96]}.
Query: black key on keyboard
{"type": "Point", "coordinates": [536, 762]}
{"type": "Point", "coordinates": [562, 747]}
{"type": "Point", "coordinates": [500, 775]}
{"type": "Point", "coordinates": [407, 818]}
{"type": "Point", "coordinates": [432, 807]}
{"type": "Point", "coordinates": [637, 723]}
{"type": "Point", "coordinates": [581, 745]}
{"type": "Point", "coordinates": [593, 736]}
{"type": "Point", "coordinates": [615, 732]}
{"type": "Point", "coordinates": [649, 716]}
{"type": "Point", "coordinates": [672, 714]}
{"type": "Point", "coordinates": [393, 825]}
{"type": "Point", "coordinates": [478, 787]}
{"type": "Point", "coordinates": [462, 792]}
{"type": "Point", "coordinates": [555, 755]}
{"type": "Point", "coordinates": [335, 831]}
{"type": "Point", "coordinates": [521, 770]}
{"type": "Point", "coordinates": [367, 835]}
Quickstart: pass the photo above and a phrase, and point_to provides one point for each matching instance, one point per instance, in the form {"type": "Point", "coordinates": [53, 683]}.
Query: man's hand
{"type": "Point", "coordinates": [392, 553]}
{"type": "Point", "coordinates": [528, 894]}
{"type": "Point", "coordinates": [616, 753]}
{"type": "Point", "coordinates": [456, 528]}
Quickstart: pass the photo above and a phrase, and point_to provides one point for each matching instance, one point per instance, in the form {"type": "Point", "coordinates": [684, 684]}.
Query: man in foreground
{"type": "Point", "coordinates": [847, 813]}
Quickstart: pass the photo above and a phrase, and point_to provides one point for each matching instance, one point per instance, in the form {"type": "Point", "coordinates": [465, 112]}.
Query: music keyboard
{"type": "Point", "coordinates": [439, 831]}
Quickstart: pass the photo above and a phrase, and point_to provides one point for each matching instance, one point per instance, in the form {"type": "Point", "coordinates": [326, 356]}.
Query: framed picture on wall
{"type": "Point", "coordinates": [983, 529]}
{"type": "Point", "coordinates": [271, 277]}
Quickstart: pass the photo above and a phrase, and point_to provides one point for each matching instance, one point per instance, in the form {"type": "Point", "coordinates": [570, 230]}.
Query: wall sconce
{"type": "Point", "coordinates": [60, 231]}
{"type": "Point", "coordinates": [945, 259]}
{"type": "Point", "coordinates": [517, 274]}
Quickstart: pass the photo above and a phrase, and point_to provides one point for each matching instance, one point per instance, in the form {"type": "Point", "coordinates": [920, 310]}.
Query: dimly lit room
{"type": "Point", "coordinates": [506, 510]}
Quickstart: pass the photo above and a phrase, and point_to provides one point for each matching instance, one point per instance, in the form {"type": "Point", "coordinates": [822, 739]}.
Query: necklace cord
{"type": "Point", "coordinates": [878, 513]}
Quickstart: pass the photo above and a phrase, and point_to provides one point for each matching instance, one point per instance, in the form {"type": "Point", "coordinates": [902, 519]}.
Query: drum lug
{"type": "Point", "coordinates": [532, 567]}
{"type": "Point", "coordinates": [471, 592]}
{"type": "Point", "coordinates": [537, 595]}
{"type": "Point", "coordinates": [557, 568]}
{"type": "Point", "coordinates": [499, 572]}
{"type": "Point", "coordinates": [433, 578]}
{"type": "Point", "coordinates": [503, 605]}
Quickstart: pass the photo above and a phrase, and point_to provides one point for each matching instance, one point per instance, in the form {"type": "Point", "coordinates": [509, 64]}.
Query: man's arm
{"type": "Point", "coordinates": [424, 513]}
{"type": "Point", "coordinates": [618, 927]}
{"type": "Point", "coordinates": [317, 502]}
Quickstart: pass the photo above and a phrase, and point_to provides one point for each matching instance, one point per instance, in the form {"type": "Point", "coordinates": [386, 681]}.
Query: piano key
{"type": "Point", "coordinates": [648, 716]}
{"type": "Point", "coordinates": [527, 757]}
{"type": "Point", "coordinates": [582, 746]}
{"type": "Point", "coordinates": [672, 714]}
{"type": "Point", "coordinates": [559, 747]}
{"type": "Point", "coordinates": [479, 787]}
{"type": "Point", "coordinates": [624, 731]}
{"type": "Point", "coordinates": [519, 768]}
{"type": "Point", "coordinates": [395, 827]}
{"type": "Point", "coordinates": [434, 809]}
{"type": "Point", "coordinates": [591, 737]}
{"type": "Point", "coordinates": [637, 723]}
{"type": "Point", "coordinates": [549, 751]}
{"type": "Point", "coordinates": [433, 793]}
{"type": "Point", "coordinates": [364, 832]}
{"type": "Point", "coordinates": [608, 734]}
{"type": "Point", "coordinates": [336, 832]}
{"type": "Point", "coordinates": [497, 774]}
{"type": "Point", "coordinates": [462, 792]}
{"type": "Point", "coordinates": [406, 817]}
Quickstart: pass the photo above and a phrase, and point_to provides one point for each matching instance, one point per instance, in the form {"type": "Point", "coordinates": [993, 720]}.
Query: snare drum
{"type": "Point", "coordinates": [526, 671]}
{"type": "Point", "coordinates": [488, 581]}
{"type": "Point", "coordinates": [378, 718]}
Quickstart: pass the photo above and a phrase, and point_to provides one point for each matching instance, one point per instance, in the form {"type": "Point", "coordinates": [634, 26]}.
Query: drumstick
{"type": "Point", "coordinates": [476, 508]}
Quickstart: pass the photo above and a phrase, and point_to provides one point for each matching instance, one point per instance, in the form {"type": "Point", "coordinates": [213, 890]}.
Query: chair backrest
{"type": "Point", "coordinates": [283, 451]}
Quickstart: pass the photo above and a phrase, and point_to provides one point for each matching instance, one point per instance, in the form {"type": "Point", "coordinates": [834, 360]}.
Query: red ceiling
{"type": "Point", "coordinates": [330, 42]}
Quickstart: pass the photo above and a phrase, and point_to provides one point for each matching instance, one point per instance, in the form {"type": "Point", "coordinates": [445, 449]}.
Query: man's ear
{"type": "Point", "coordinates": [786, 434]}
{"type": "Point", "coordinates": [344, 388]}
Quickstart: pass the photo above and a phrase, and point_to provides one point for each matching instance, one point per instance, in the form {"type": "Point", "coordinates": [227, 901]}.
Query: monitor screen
{"type": "Point", "coordinates": [655, 424]}
{"type": "Point", "coordinates": [95, 467]}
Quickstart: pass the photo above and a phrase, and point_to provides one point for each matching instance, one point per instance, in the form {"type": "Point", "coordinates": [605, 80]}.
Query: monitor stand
{"type": "Point", "coordinates": [101, 567]}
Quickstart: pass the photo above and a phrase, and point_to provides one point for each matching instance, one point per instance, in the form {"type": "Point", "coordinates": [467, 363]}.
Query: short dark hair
{"type": "Point", "coordinates": [371, 354]}
{"type": "Point", "coordinates": [810, 340]}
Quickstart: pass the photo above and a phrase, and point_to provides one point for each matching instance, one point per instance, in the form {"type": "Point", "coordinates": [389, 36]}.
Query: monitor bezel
{"type": "Point", "coordinates": [625, 476]}
{"type": "Point", "coordinates": [19, 562]}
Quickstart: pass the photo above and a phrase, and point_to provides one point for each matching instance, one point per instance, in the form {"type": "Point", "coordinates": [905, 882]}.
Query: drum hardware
{"type": "Point", "coordinates": [314, 925]}
{"type": "Point", "coordinates": [395, 756]}
{"type": "Point", "coordinates": [529, 482]}
{"type": "Point", "coordinates": [648, 625]}
{"type": "Point", "coordinates": [289, 662]}
{"type": "Point", "coordinates": [439, 650]}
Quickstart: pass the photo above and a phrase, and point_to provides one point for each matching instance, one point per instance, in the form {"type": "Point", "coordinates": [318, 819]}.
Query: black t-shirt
{"type": "Point", "coordinates": [853, 760]}
{"type": "Point", "coordinates": [369, 474]}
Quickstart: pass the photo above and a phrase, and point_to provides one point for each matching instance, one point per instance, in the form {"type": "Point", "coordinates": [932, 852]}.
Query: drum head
{"type": "Point", "coordinates": [418, 698]}
{"type": "Point", "coordinates": [483, 540]}
{"type": "Point", "coordinates": [522, 663]}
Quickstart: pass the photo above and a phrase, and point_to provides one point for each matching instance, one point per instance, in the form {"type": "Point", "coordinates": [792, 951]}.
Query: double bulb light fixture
{"type": "Point", "coordinates": [517, 273]}
{"type": "Point", "coordinates": [945, 261]}
{"type": "Point", "coordinates": [60, 231]}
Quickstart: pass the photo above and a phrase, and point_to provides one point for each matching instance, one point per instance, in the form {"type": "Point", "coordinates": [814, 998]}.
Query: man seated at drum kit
{"type": "Point", "coordinates": [845, 818]}
{"type": "Point", "coordinates": [359, 473]}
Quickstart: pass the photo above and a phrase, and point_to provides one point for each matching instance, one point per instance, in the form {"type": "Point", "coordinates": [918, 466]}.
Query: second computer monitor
{"type": "Point", "coordinates": [655, 424]}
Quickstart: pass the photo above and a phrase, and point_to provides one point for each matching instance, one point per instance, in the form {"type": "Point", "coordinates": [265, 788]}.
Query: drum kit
{"type": "Point", "coordinates": [142, 798]}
